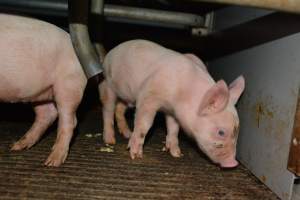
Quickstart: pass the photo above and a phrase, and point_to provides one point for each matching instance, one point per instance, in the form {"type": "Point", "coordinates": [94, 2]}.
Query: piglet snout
{"type": "Point", "coordinates": [229, 163]}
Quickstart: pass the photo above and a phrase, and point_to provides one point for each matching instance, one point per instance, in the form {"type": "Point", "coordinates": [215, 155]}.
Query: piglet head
{"type": "Point", "coordinates": [217, 125]}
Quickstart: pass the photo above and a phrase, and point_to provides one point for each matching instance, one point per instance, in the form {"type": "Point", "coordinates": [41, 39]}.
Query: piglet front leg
{"type": "Point", "coordinates": [145, 113]}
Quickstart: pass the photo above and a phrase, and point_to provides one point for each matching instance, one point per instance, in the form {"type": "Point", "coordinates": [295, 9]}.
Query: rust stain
{"type": "Point", "coordinates": [262, 110]}
{"type": "Point", "coordinates": [265, 114]}
{"type": "Point", "coordinates": [263, 178]}
{"type": "Point", "coordinates": [259, 112]}
{"type": "Point", "coordinates": [285, 195]}
{"type": "Point", "coordinates": [269, 114]}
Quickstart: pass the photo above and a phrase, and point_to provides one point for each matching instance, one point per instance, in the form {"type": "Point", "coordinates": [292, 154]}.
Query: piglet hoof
{"type": "Point", "coordinates": [176, 152]}
{"type": "Point", "coordinates": [136, 148]}
{"type": "Point", "coordinates": [56, 158]}
{"type": "Point", "coordinates": [23, 143]}
{"type": "Point", "coordinates": [126, 134]}
{"type": "Point", "coordinates": [109, 139]}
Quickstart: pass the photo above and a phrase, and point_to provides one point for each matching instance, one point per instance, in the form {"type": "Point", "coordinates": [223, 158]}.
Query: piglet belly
{"type": "Point", "coordinates": [24, 88]}
{"type": "Point", "coordinates": [125, 91]}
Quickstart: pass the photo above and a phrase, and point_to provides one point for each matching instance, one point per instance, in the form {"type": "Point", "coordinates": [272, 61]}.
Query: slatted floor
{"type": "Point", "coordinates": [91, 172]}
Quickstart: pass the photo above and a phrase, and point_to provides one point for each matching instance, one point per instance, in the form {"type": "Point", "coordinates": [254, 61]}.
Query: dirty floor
{"type": "Point", "coordinates": [95, 171]}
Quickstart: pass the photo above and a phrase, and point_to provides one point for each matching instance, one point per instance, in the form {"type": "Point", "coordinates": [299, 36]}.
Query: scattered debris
{"type": "Point", "coordinates": [98, 135]}
{"type": "Point", "coordinates": [164, 149]}
{"type": "Point", "coordinates": [107, 149]}
{"type": "Point", "coordinates": [88, 135]}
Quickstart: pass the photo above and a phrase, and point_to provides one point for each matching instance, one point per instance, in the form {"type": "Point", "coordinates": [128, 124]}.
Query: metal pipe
{"type": "Point", "coordinates": [97, 7]}
{"type": "Point", "coordinates": [112, 11]}
{"type": "Point", "coordinates": [56, 8]}
{"type": "Point", "coordinates": [61, 7]}
{"type": "Point", "coordinates": [151, 15]}
{"type": "Point", "coordinates": [279, 5]}
{"type": "Point", "coordinates": [100, 51]}
{"type": "Point", "coordinates": [78, 16]}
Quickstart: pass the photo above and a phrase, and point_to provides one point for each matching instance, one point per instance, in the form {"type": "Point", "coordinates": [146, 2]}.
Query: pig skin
{"type": "Point", "coordinates": [38, 65]}
{"type": "Point", "coordinates": [153, 78]}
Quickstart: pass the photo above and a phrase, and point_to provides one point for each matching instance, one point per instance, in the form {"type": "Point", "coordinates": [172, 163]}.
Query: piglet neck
{"type": "Point", "coordinates": [186, 117]}
{"type": "Point", "coordinates": [187, 108]}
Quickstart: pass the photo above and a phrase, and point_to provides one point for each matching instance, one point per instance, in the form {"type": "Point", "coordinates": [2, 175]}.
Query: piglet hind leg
{"type": "Point", "coordinates": [67, 102]}
{"type": "Point", "coordinates": [108, 99]}
{"type": "Point", "coordinates": [121, 120]}
{"type": "Point", "coordinates": [45, 115]}
{"type": "Point", "coordinates": [172, 137]}
{"type": "Point", "coordinates": [145, 113]}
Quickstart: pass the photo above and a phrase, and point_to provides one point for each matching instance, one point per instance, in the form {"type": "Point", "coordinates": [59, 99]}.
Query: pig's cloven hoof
{"type": "Point", "coordinates": [109, 139]}
{"type": "Point", "coordinates": [173, 148]}
{"type": "Point", "coordinates": [23, 143]}
{"type": "Point", "coordinates": [56, 158]}
{"type": "Point", "coordinates": [174, 151]}
{"type": "Point", "coordinates": [136, 148]}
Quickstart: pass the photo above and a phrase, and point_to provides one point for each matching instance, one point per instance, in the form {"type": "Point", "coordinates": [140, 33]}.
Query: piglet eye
{"type": "Point", "coordinates": [221, 133]}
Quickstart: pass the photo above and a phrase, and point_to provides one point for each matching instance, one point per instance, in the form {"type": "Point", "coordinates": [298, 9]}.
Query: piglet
{"type": "Point", "coordinates": [39, 65]}
{"type": "Point", "coordinates": [154, 78]}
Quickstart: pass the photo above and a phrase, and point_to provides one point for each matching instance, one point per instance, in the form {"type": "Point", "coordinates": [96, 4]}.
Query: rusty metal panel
{"type": "Point", "coordinates": [267, 108]}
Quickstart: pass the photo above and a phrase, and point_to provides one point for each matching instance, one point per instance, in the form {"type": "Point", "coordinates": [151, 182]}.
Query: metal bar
{"type": "Point", "coordinates": [61, 7]}
{"type": "Point", "coordinates": [279, 5]}
{"type": "Point", "coordinates": [53, 5]}
{"type": "Point", "coordinates": [78, 16]}
{"type": "Point", "coordinates": [97, 31]}
{"type": "Point", "coordinates": [97, 6]}
{"type": "Point", "coordinates": [56, 8]}
{"type": "Point", "coordinates": [152, 15]}
{"type": "Point", "coordinates": [100, 51]}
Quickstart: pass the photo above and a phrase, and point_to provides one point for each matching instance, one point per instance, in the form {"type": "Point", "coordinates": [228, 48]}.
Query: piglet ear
{"type": "Point", "coordinates": [236, 88]}
{"type": "Point", "coordinates": [215, 99]}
